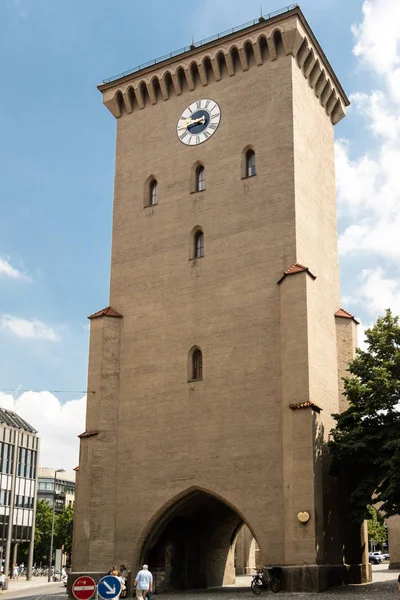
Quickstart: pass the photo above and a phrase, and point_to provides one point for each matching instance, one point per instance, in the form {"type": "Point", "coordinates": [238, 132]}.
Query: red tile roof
{"type": "Point", "coordinates": [106, 312]}
{"type": "Point", "coordinates": [307, 404]}
{"type": "Point", "coordinates": [296, 268]}
{"type": "Point", "coordinates": [89, 433]}
{"type": "Point", "coordinates": [346, 315]}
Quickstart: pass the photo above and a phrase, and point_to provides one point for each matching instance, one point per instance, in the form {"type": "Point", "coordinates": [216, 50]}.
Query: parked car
{"type": "Point", "coordinates": [374, 560]}
{"type": "Point", "coordinates": [379, 555]}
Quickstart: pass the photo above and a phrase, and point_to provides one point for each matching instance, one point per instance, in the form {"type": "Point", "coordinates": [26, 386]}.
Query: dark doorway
{"type": "Point", "coordinates": [192, 544]}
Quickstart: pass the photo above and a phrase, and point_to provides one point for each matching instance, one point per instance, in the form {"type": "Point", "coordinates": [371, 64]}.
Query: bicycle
{"type": "Point", "coordinates": [272, 582]}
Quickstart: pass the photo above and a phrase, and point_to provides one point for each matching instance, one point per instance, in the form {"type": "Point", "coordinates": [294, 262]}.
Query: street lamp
{"type": "Point", "coordinates": [52, 521]}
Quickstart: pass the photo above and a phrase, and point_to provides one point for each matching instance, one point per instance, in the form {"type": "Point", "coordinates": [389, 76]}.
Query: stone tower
{"type": "Point", "coordinates": [215, 368]}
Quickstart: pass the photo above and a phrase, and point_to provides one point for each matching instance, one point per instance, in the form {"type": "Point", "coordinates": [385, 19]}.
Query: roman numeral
{"type": "Point", "coordinates": [183, 135]}
{"type": "Point", "coordinates": [215, 115]}
{"type": "Point", "coordinates": [197, 139]}
{"type": "Point", "coordinates": [207, 103]}
{"type": "Point", "coordinates": [212, 126]}
{"type": "Point", "coordinates": [206, 134]}
{"type": "Point", "coordinates": [198, 103]}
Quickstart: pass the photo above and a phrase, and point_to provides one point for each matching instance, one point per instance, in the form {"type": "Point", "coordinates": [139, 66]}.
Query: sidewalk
{"type": "Point", "coordinates": [23, 584]}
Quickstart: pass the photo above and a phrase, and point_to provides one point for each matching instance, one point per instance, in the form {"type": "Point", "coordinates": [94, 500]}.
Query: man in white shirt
{"type": "Point", "coordinates": [143, 582]}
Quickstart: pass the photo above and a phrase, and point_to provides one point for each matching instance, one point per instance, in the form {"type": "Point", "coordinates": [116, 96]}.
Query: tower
{"type": "Point", "coordinates": [215, 368]}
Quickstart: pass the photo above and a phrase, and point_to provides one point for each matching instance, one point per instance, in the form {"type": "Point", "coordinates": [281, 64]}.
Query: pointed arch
{"type": "Point", "coordinates": [160, 518]}
{"type": "Point", "coordinates": [119, 99]}
{"type": "Point", "coordinates": [278, 42]}
{"type": "Point", "coordinates": [168, 83]}
{"type": "Point", "coordinates": [131, 97]}
{"type": "Point", "coordinates": [234, 54]}
{"type": "Point", "coordinates": [144, 93]}
{"type": "Point", "coordinates": [221, 62]}
{"type": "Point", "coordinates": [155, 83]}
{"type": "Point", "coordinates": [248, 162]}
{"type": "Point", "coordinates": [195, 172]}
{"type": "Point", "coordinates": [181, 77]}
{"type": "Point", "coordinates": [249, 53]}
{"type": "Point", "coordinates": [209, 73]}
{"type": "Point", "coordinates": [263, 46]}
{"type": "Point", "coordinates": [194, 71]}
{"type": "Point", "coordinates": [196, 243]}
{"type": "Point", "coordinates": [150, 197]}
{"type": "Point", "coordinates": [195, 364]}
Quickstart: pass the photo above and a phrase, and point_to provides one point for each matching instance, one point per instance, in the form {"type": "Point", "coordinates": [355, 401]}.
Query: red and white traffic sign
{"type": "Point", "coordinates": [83, 588]}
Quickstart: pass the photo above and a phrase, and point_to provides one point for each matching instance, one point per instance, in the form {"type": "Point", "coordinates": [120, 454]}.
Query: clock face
{"type": "Point", "coordinates": [198, 122]}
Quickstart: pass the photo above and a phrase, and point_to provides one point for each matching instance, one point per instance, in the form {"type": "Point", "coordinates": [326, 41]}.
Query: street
{"type": "Point", "coordinates": [384, 587]}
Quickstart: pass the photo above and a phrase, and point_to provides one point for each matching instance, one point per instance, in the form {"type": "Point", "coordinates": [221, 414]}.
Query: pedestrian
{"type": "Point", "coordinates": [123, 576]}
{"type": "Point", "coordinates": [15, 572]}
{"type": "Point", "coordinates": [2, 582]}
{"type": "Point", "coordinates": [143, 583]}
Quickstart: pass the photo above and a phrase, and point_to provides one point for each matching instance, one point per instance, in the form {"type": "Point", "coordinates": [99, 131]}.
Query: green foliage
{"type": "Point", "coordinates": [365, 444]}
{"type": "Point", "coordinates": [63, 525]}
{"type": "Point", "coordinates": [63, 529]}
{"type": "Point", "coordinates": [42, 530]}
{"type": "Point", "coordinates": [376, 528]}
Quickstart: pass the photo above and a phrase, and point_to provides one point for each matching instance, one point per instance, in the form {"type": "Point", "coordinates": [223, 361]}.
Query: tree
{"type": "Point", "coordinates": [63, 529]}
{"type": "Point", "coordinates": [42, 530]}
{"type": "Point", "coordinates": [376, 528]}
{"type": "Point", "coordinates": [365, 444]}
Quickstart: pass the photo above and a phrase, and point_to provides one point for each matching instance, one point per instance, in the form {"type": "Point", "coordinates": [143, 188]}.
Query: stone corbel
{"type": "Point", "coordinates": [303, 55]}
{"type": "Point", "coordinates": [164, 89]}
{"type": "Point", "coordinates": [272, 48]}
{"type": "Point", "coordinates": [189, 78]}
{"type": "Point", "coordinates": [128, 100]}
{"type": "Point", "coordinates": [216, 69]}
{"type": "Point", "coordinates": [151, 92]}
{"type": "Point", "coordinates": [113, 105]}
{"type": "Point", "coordinates": [139, 96]}
{"type": "Point", "coordinates": [320, 84]}
{"type": "Point", "coordinates": [257, 54]}
{"type": "Point", "coordinates": [229, 64]}
{"type": "Point", "coordinates": [177, 85]}
{"type": "Point", "coordinates": [243, 59]}
{"type": "Point", "coordinates": [202, 74]}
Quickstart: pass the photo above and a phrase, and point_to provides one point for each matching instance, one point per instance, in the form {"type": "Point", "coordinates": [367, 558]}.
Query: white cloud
{"type": "Point", "coordinates": [7, 270]}
{"type": "Point", "coordinates": [378, 292]}
{"type": "Point", "coordinates": [369, 185]}
{"type": "Point", "coordinates": [58, 425]}
{"type": "Point", "coordinates": [28, 328]}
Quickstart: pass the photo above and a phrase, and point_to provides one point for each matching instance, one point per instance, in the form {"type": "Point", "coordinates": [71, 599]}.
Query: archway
{"type": "Point", "coordinates": [192, 544]}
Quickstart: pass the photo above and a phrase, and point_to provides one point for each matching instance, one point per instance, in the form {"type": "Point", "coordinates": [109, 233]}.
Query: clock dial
{"type": "Point", "coordinates": [198, 122]}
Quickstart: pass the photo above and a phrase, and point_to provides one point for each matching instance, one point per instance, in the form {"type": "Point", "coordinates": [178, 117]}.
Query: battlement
{"type": "Point", "coordinates": [265, 39]}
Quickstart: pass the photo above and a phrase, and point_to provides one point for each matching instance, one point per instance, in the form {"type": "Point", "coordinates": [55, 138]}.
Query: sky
{"type": "Point", "coordinates": [57, 144]}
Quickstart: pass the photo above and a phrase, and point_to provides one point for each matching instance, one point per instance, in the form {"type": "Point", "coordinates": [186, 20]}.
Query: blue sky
{"type": "Point", "coordinates": [57, 162]}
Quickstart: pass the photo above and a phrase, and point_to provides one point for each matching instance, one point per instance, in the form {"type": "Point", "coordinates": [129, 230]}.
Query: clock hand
{"type": "Point", "coordinates": [189, 121]}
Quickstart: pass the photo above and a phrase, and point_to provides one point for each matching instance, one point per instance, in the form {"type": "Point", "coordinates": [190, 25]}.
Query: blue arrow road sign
{"type": "Point", "coordinates": [109, 587]}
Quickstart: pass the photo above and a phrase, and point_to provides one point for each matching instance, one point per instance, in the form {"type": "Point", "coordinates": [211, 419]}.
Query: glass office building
{"type": "Point", "coordinates": [19, 450]}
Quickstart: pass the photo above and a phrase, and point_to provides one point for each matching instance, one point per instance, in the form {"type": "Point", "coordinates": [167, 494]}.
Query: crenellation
{"type": "Point", "coordinates": [290, 38]}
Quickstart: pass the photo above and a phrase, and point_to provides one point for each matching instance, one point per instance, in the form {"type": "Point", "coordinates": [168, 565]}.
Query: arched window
{"type": "Point", "coordinates": [200, 180]}
{"type": "Point", "coordinates": [153, 193]}
{"type": "Point", "coordinates": [199, 244]}
{"type": "Point", "coordinates": [250, 163]}
{"type": "Point", "coordinates": [197, 364]}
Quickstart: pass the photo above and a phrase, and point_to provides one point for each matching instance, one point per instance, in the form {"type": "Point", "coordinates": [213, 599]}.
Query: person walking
{"type": "Point", "coordinates": [143, 583]}
{"type": "Point", "coordinates": [15, 572]}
